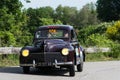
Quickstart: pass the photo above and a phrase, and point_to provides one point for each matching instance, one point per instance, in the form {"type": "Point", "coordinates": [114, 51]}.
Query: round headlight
{"type": "Point", "coordinates": [65, 51]}
{"type": "Point", "coordinates": [25, 53]}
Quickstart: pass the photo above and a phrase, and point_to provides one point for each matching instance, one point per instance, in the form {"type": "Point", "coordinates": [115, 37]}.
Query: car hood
{"type": "Point", "coordinates": [55, 45]}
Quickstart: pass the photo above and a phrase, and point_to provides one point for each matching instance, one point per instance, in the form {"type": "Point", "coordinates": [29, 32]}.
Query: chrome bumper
{"type": "Point", "coordinates": [56, 64]}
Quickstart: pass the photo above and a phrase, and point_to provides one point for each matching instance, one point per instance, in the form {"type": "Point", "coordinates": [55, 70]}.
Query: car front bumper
{"type": "Point", "coordinates": [44, 64]}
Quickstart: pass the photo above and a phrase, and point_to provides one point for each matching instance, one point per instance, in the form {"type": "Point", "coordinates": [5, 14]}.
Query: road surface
{"type": "Point", "coordinates": [109, 70]}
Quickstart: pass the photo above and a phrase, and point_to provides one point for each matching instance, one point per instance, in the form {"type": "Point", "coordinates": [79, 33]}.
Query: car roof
{"type": "Point", "coordinates": [66, 27]}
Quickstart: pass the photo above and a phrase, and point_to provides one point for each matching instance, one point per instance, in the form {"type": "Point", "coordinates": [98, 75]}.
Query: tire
{"type": "Point", "coordinates": [72, 70]}
{"type": "Point", "coordinates": [26, 70]}
{"type": "Point", "coordinates": [84, 56]}
{"type": "Point", "coordinates": [80, 67]}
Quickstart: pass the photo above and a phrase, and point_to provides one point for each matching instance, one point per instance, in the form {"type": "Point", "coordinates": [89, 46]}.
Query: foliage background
{"type": "Point", "coordinates": [96, 24]}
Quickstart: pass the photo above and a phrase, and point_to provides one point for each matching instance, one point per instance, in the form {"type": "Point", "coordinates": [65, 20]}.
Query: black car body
{"type": "Point", "coordinates": [53, 46]}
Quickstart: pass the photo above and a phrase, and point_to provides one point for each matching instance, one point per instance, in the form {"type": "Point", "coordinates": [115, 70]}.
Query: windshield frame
{"type": "Point", "coordinates": [53, 37]}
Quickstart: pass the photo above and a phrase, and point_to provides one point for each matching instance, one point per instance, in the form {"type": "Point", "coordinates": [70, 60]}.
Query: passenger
{"type": "Point", "coordinates": [66, 35]}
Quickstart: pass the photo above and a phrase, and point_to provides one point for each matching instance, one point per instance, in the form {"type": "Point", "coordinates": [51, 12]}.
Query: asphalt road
{"type": "Point", "coordinates": [109, 70]}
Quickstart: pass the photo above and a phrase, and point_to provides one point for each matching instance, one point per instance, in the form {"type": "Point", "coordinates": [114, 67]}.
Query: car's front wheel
{"type": "Point", "coordinates": [80, 67]}
{"type": "Point", "coordinates": [26, 70]}
{"type": "Point", "coordinates": [72, 70]}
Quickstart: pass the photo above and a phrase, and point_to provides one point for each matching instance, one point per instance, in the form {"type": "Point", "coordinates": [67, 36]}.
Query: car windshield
{"type": "Point", "coordinates": [52, 33]}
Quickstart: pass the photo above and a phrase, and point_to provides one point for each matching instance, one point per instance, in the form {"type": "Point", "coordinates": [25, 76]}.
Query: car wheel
{"type": "Point", "coordinates": [84, 56]}
{"type": "Point", "coordinates": [80, 67]}
{"type": "Point", "coordinates": [26, 70]}
{"type": "Point", "coordinates": [72, 70]}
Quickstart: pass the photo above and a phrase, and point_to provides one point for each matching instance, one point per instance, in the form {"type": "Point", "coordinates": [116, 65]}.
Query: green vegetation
{"type": "Point", "coordinates": [17, 26]}
{"type": "Point", "coordinates": [99, 57]}
{"type": "Point", "coordinates": [95, 35]}
{"type": "Point", "coordinates": [114, 54]}
{"type": "Point", "coordinates": [108, 10]}
{"type": "Point", "coordinates": [113, 31]}
{"type": "Point", "coordinates": [9, 60]}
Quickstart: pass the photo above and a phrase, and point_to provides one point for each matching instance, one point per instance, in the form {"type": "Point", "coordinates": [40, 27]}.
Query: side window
{"type": "Point", "coordinates": [73, 35]}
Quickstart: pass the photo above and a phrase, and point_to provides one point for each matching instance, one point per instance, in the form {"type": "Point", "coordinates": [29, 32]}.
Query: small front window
{"type": "Point", "coordinates": [52, 33]}
{"type": "Point", "coordinates": [73, 35]}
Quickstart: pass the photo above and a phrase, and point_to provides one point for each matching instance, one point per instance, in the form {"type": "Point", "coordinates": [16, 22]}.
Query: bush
{"type": "Point", "coordinates": [7, 38]}
{"type": "Point", "coordinates": [113, 32]}
{"type": "Point", "coordinates": [98, 40]}
{"type": "Point", "coordinates": [95, 57]}
{"type": "Point", "coordinates": [115, 51]}
{"type": "Point", "coordinates": [91, 30]}
{"type": "Point", "coordinates": [9, 60]}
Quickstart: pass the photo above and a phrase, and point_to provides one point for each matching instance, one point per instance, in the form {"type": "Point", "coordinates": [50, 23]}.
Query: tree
{"type": "Point", "coordinates": [49, 21]}
{"type": "Point", "coordinates": [108, 10]}
{"type": "Point", "coordinates": [13, 6]}
{"type": "Point", "coordinates": [11, 22]}
{"type": "Point", "coordinates": [87, 15]}
{"type": "Point", "coordinates": [27, 1]}
{"type": "Point", "coordinates": [69, 14]}
{"type": "Point", "coordinates": [35, 16]}
{"type": "Point", "coordinates": [66, 14]}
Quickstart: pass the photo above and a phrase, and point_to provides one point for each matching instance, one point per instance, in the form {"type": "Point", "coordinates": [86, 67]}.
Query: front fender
{"type": "Point", "coordinates": [31, 49]}
{"type": "Point", "coordinates": [71, 56]}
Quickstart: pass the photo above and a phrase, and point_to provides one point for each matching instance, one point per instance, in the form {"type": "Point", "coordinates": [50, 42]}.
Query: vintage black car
{"type": "Point", "coordinates": [54, 46]}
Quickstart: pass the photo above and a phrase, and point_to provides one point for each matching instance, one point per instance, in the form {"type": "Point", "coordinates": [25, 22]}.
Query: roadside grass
{"type": "Point", "coordinates": [93, 57]}
{"type": "Point", "coordinates": [9, 60]}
